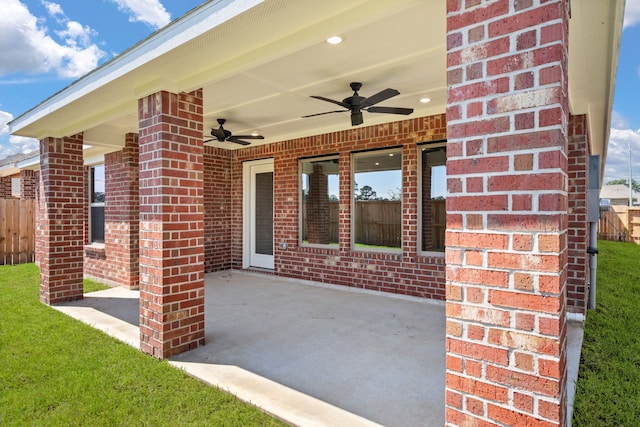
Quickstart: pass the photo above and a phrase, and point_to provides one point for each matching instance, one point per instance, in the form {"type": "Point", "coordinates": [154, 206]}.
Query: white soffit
{"type": "Point", "coordinates": [595, 30]}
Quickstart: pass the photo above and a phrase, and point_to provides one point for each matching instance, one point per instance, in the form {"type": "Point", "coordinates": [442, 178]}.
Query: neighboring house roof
{"type": "Point", "coordinates": [618, 192]}
{"type": "Point", "coordinates": [258, 62]}
{"type": "Point", "coordinates": [13, 164]}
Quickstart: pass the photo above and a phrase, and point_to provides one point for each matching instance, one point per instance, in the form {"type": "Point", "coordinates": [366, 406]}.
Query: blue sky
{"type": "Point", "coordinates": [46, 45]}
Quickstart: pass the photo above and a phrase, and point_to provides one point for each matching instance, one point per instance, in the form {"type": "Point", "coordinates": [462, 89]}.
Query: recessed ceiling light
{"type": "Point", "coordinates": [390, 154]}
{"type": "Point", "coordinates": [334, 40]}
{"type": "Point", "coordinates": [425, 100]}
{"type": "Point", "coordinates": [255, 133]}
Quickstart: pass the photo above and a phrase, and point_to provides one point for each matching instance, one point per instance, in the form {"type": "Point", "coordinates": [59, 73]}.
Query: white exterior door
{"type": "Point", "coordinates": [258, 214]}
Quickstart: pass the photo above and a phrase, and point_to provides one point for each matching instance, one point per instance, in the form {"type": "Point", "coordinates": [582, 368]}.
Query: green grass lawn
{"type": "Point", "coordinates": [55, 370]}
{"type": "Point", "coordinates": [608, 389]}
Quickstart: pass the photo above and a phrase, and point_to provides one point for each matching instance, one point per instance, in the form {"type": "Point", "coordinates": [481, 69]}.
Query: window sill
{"type": "Point", "coordinates": [95, 250]}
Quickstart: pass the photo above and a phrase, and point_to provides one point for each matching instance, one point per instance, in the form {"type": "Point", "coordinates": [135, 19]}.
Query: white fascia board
{"type": "Point", "coordinates": [29, 163]}
{"type": "Point", "coordinates": [180, 31]}
{"type": "Point", "coordinates": [8, 170]}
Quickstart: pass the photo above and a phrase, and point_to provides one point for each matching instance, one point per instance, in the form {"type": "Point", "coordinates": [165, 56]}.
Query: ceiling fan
{"type": "Point", "coordinates": [357, 104]}
{"type": "Point", "coordinates": [222, 135]}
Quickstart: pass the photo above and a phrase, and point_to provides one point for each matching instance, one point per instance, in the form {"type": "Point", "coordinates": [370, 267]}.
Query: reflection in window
{"type": "Point", "coordinates": [96, 201]}
{"type": "Point", "coordinates": [320, 201]}
{"type": "Point", "coordinates": [377, 208]}
{"type": "Point", "coordinates": [434, 190]}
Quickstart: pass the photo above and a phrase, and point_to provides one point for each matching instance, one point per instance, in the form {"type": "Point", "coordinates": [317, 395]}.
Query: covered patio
{"type": "Point", "coordinates": [311, 354]}
{"type": "Point", "coordinates": [508, 108]}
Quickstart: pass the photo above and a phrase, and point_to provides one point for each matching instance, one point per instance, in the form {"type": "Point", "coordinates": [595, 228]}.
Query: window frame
{"type": "Point", "coordinates": [314, 159]}
{"type": "Point", "coordinates": [93, 204]}
{"type": "Point", "coordinates": [375, 152]}
{"type": "Point", "coordinates": [420, 238]}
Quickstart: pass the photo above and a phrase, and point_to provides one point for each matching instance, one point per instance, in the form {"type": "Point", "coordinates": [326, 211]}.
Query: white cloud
{"type": "Point", "coordinates": [26, 46]}
{"type": "Point", "coordinates": [617, 162]}
{"type": "Point", "coordinates": [151, 12]}
{"type": "Point", "coordinates": [631, 13]}
{"type": "Point", "coordinates": [18, 144]}
{"type": "Point", "coordinates": [54, 9]}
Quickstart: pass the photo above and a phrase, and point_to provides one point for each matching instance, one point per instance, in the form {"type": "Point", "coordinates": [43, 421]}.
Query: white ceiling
{"type": "Point", "coordinates": [258, 62]}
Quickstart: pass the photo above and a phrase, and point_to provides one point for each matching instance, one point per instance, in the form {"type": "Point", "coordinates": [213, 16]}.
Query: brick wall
{"type": "Point", "coordinates": [171, 223]}
{"type": "Point", "coordinates": [506, 237]}
{"type": "Point", "coordinates": [5, 187]}
{"type": "Point", "coordinates": [403, 273]}
{"type": "Point", "coordinates": [28, 184]}
{"type": "Point", "coordinates": [578, 238]}
{"type": "Point", "coordinates": [61, 220]}
{"type": "Point", "coordinates": [217, 209]}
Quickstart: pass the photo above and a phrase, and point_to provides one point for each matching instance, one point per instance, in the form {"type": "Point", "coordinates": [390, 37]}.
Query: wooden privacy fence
{"type": "Point", "coordinates": [17, 231]}
{"type": "Point", "coordinates": [380, 223]}
{"type": "Point", "coordinates": [623, 225]}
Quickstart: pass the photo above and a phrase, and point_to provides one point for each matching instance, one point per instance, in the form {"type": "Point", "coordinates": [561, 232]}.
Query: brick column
{"type": "Point", "coordinates": [28, 183]}
{"type": "Point", "coordinates": [171, 223]}
{"type": "Point", "coordinates": [578, 240]}
{"type": "Point", "coordinates": [61, 220]}
{"type": "Point", "coordinates": [122, 216]}
{"type": "Point", "coordinates": [506, 212]}
{"type": "Point", "coordinates": [318, 206]}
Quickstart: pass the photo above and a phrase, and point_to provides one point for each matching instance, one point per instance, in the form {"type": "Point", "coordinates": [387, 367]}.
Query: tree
{"type": "Point", "coordinates": [395, 194]}
{"type": "Point", "coordinates": [366, 193]}
{"type": "Point", "coordinates": [634, 184]}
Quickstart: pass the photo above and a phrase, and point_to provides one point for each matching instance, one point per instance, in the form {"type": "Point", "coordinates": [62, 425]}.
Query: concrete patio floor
{"type": "Point", "coordinates": [308, 353]}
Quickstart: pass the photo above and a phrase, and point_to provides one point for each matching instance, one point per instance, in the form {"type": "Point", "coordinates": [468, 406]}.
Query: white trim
{"type": "Point", "coordinates": [420, 147]}
{"type": "Point", "coordinates": [300, 201]}
{"type": "Point", "coordinates": [248, 205]}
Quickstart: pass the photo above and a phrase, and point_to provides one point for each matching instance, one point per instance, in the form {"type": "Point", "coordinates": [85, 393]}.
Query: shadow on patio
{"type": "Point", "coordinates": [311, 355]}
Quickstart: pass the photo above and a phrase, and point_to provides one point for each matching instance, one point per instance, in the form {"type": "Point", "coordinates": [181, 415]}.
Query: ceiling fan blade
{"type": "Point", "coordinates": [248, 136]}
{"type": "Point", "coordinates": [356, 118]}
{"type": "Point", "coordinates": [238, 141]}
{"type": "Point", "coordinates": [379, 97]}
{"type": "Point", "coordinates": [333, 101]}
{"type": "Point", "coordinates": [326, 112]}
{"type": "Point", "coordinates": [390, 110]}
{"type": "Point", "coordinates": [209, 140]}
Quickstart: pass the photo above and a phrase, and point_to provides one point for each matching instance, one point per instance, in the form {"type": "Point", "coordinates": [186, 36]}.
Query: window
{"type": "Point", "coordinates": [377, 200]}
{"type": "Point", "coordinates": [319, 201]}
{"type": "Point", "coordinates": [96, 202]}
{"type": "Point", "coordinates": [15, 187]}
{"type": "Point", "coordinates": [433, 197]}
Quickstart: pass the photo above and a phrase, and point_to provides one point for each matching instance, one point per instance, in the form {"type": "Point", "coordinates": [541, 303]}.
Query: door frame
{"type": "Point", "coordinates": [249, 169]}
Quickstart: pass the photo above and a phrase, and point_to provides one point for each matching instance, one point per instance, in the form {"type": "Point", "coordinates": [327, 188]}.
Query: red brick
{"type": "Point", "coordinates": [510, 378]}
{"type": "Point", "coordinates": [523, 402]}
{"type": "Point", "coordinates": [485, 315]}
{"type": "Point", "coordinates": [524, 301]}
{"type": "Point", "coordinates": [513, 418]}
{"type": "Point", "coordinates": [479, 388]}
{"type": "Point", "coordinates": [523, 341]}
{"type": "Point", "coordinates": [475, 406]}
